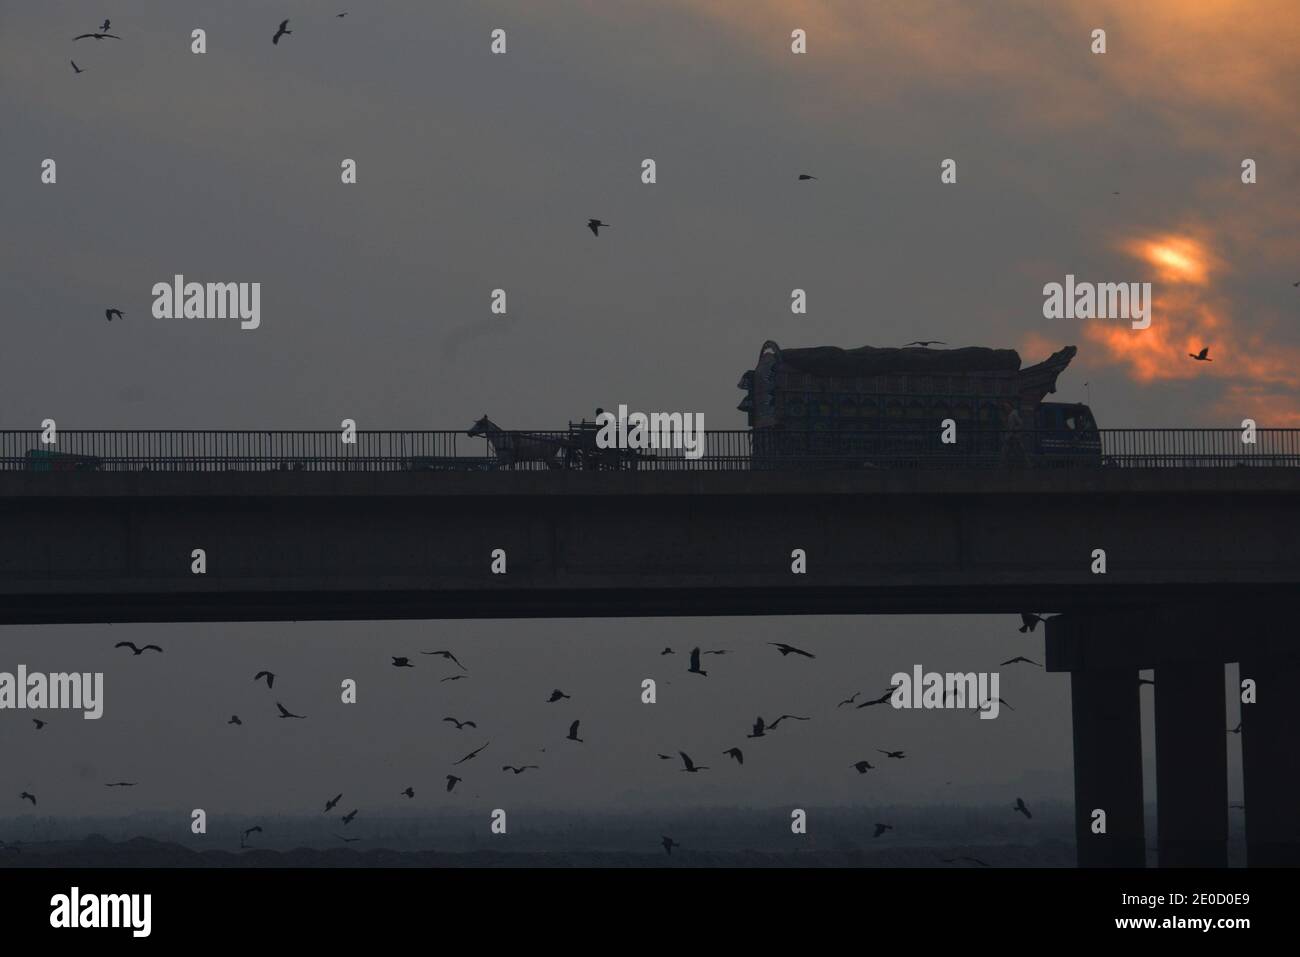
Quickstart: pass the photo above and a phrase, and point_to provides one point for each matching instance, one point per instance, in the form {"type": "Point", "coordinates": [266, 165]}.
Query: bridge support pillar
{"type": "Point", "coordinates": [1108, 767]}
{"type": "Point", "coordinates": [1271, 764]}
{"type": "Point", "coordinates": [1191, 765]}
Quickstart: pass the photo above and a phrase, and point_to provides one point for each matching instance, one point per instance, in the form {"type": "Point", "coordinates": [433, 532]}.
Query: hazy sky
{"type": "Point", "coordinates": [477, 172]}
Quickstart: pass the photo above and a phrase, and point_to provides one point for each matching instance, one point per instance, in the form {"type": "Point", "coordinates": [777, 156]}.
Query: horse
{"type": "Point", "coordinates": [512, 448]}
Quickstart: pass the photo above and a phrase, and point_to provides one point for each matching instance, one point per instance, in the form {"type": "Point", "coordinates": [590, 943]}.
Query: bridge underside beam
{"type": "Point", "coordinates": [1271, 764]}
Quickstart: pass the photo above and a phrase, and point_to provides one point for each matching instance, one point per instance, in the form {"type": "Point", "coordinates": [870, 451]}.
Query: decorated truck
{"type": "Point", "coordinates": [877, 407]}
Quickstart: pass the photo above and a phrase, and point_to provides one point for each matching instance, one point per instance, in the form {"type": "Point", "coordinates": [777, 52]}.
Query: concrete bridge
{"type": "Point", "coordinates": [1198, 566]}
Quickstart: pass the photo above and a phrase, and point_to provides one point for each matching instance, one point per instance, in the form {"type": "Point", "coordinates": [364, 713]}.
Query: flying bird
{"type": "Point", "coordinates": [691, 767]}
{"type": "Point", "coordinates": [667, 651]}
{"type": "Point", "coordinates": [28, 797]}
{"type": "Point", "coordinates": [286, 713]}
{"type": "Point", "coordinates": [1021, 658]}
{"type": "Point", "coordinates": [926, 343]}
{"type": "Point", "coordinates": [864, 766]}
{"type": "Point", "coordinates": [594, 225]}
{"type": "Point", "coordinates": [694, 669]}
{"type": "Point", "coordinates": [735, 753]}
{"type": "Point", "coordinates": [75, 68]}
{"type": "Point", "coordinates": [97, 36]}
{"type": "Point", "coordinates": [104, 27]}
{"type": "Point", "coordinates": [452, 781]}
{"type": "Point", "coordinates": [461, 724]}
{"type": "Point", "coordinates": [471, 755]}
{"type": "Point", "coordinates": [243, 835]}
{"type": "Point", "coordinates": [803, 176]}
{"type": "Point", "coordinates": [284, 29]}
{"type": "Point", "coordinates": [848, 700]}
{"type": "Point", "coordinates": [451, 678]}
{"type": "Point", "coordinates": [1028, 622]}
{"type": "Point", "coordinates": [669, 844]}
{"type": "Point", "coordinates": [448, 655]}
{"type": "Point", "coordinates": [268, 675]}
{"type": "Point", "coordinates": [882, 828]}
{"type": "Point", "coordinates": [138, 651]}
{"type": "Point", "coordinates": [985, 705]}
{"type": "Point", "coordinates": [350, 816]}
{"type": "Point", "coordinates": [1236, 730]}
{"type": "Point", "coordinates": [573, 732]}
{"type": "Point", "coordinates": [343, 14]}
{"type": "Point", "coordinates": [1202, 356]}
{"type": "Point", "coordinates": [402, 662]}
{"type": "Point", "coordinates": [1020, 806]}
{"type": "Point", "coordinates": [790, 649]}
{"type": "Point", "coordinates": [409, 792]}
{"type": "Point", "coordinates": [520, 770]}
{"type": "Point", "coordinates": [39, 723]}
{"type": "Point", "coordinates": [719, 651]}
{"type": "Point", "coordinates": [556, 695]}
{"type": "Point", "coordinates": [892, 754]}
{"type": "Point", "coordinates": [234, 719]}
{"type": "Point", "coordinates": [881, 700]}
{"type": "Point", "coordinates": [121, 784]}
{"type": "Point", "coordinates": [329, 805]}
{"type": "Point", "coordinates": [758, 728]}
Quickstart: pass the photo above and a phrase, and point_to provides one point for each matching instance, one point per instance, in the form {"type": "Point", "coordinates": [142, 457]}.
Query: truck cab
{"type": "Point", "coordinates": [1067, 430]}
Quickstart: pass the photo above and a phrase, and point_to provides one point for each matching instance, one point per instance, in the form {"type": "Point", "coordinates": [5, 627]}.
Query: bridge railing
{"type": "Point", "coordinates": [732, 450]}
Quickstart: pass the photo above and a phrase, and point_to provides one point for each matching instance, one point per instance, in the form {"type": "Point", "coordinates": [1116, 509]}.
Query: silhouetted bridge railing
{"type": "Point", "coordinates": [735, 450]}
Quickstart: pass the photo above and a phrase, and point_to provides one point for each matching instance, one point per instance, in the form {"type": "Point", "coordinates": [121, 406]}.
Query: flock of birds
{"type": "Point", "coordinates": [760, 728]}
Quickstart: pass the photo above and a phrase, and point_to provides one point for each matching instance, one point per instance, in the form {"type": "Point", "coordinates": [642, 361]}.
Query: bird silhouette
{"type": "Point", "coordinates": [1202, 356]}
{"type": "Point", "coordinates": [669, 844]}
{"type": "Point", "coordinates": [520, 770]}
{"type": "Point", "coordinates": [556, 695]}
{"type": "Point", "coordinates": [849, 700]}
{"type": "Point", "coordinates": [451, 678]}
{"type": "Point", "coordinates": [664, 757]}
{"type": "Point", "coordinates": [1020, 806]}
{"type": "Point", "coordinates": [863, 766]}
{"type": "Point", "coordinates": [470, 756]}
{"type": "Point", "coordinates": [926, 343]}
{"type": "Point", "coordinates": [594, 225]}
{"type": "Point", "coordinates": [329, 805]}
{"type": "Point", "coordinates": [793, 717]}
{"type": "Point", "coordinates": [75, 68]}
{"type": "Point", "coordinates": [284, 29]}
{"type": "Point", "coordinates": [234, 719]}
{"type": "Point", "coordinates": [402, 662]}
{"type": "Point", "coordinates": [25, 796]}
{"type": "Point", "coordinates": [138, 651]}
{"type": "Point", "coordinates": [409, 792]}
{"type": "Point", "coordinates": [461, 724]}
{"type": "Point", "coordinates": [718, 651]}
{"type": "Point", "coordinates": [882, 828]}
{"type": "Point", "coordinates": [735, 753]}
{"type": "Point", "coordinates": [268, 675]}
{"type": "Point", "coordinates": [790, 649]}
{"type": "Point", "coordinates": [804, 176]}
{"type": "Point", "coordinates": [448, 655]}
{"type": "Point", "coordinates": [121, 784]}
{"type": "Point", "coordinates": [1236, 730]}
{"type": "Point", "coordinates": [1028, 621]}
{"type": "Point", "coordinates": [105, 26]}
{"type": "Point", "coordinates": [452, 781]}
{"type": "Point", "coordinates": [286, 713]}
{"type": "Point", "coordinates": [97, 36]}
{"type": "Point", "coordinates": [667, 651]}
{"type": "Point", "coordinates": [892, 754]}
{"type": "Point", "coordinates": [985, 705]}
{"type": "Point", "coordinates": [1021, 658]}
{"type": "Point", "coordinates": [881, 700]}
{"type": "Point", "coordinates": [573, 732]}
{"type": "Point", "coordinates": [343, 14]}
{"type": "Point", "coordinates": [350, 816]}
{"type": "Point", "coordinates": [695, 664]}
{"type": "Point", "coordinates": [243, 835]}
{"type": "Point", "coordinates": [39, 723]}
{"type": "Point", "coordinates": [759, 728]}
{"type": "Point", "coordinates": [690, 766]}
